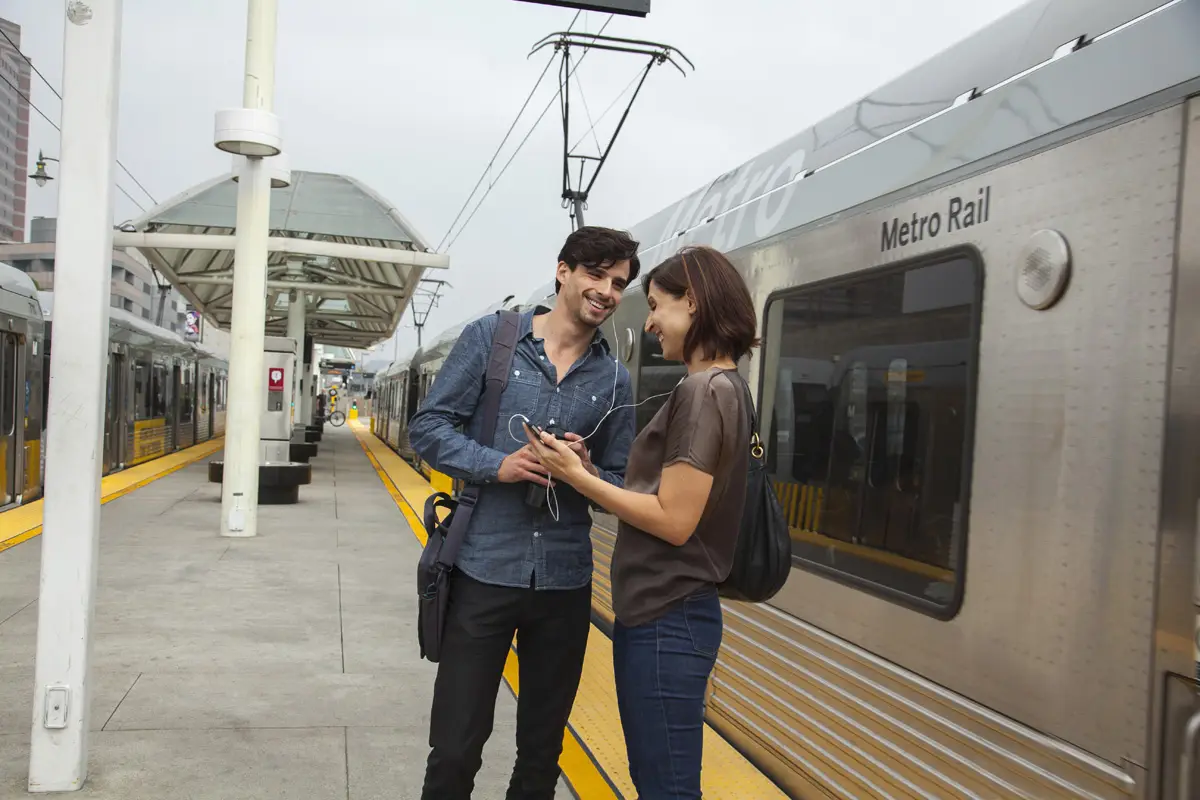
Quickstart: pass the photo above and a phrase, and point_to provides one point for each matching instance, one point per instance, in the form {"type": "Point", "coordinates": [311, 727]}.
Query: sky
{"type": "Point", "coordinates": [412, 97]}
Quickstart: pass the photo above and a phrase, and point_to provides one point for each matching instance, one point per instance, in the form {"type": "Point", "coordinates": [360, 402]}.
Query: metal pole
{"type": "Point", "coordinates": [239, 489]}
{"type": "Point", "coordinates": [58, 757]}
{"type": "Point", "coordinates": [578, 200]}
{"type": "Point", "coordinates": [297, 306]}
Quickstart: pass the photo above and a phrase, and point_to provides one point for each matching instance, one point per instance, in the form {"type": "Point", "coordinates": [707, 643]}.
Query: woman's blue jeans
{"type": "Point", "coordinates": [662, 670]}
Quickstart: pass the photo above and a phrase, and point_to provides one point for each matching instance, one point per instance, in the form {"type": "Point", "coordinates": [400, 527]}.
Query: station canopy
{"type": "Point", "coordinates": [332, 239]}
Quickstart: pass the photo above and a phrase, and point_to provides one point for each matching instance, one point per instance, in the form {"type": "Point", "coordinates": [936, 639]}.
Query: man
{"type": "Point", "coordinates": [525, 564]}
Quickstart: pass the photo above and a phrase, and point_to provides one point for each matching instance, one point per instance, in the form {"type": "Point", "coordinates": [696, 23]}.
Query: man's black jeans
{"type": "Point", "coordinates": [552, 633]}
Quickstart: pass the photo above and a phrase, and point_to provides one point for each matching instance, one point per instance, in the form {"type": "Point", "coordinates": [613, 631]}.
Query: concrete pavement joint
{"type": "Point", "coordinates": [104, 727]}
{"type": "Point", "coordinates": [346, 742]}
{"type": "Point", "coordinates": [341, 626]}
{"type": "Point", "coordinates": [18, 611]}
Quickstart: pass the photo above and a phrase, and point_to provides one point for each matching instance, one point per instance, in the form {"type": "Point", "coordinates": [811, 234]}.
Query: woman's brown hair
{"type": "Point", "coordinates": [725, 322]}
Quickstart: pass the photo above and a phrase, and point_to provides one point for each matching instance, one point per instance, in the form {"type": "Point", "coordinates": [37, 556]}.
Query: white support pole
{"type": "Point", "coordinates": [239, 488]}
{"type": "Point", "coordinates": [297, 306]}
{"type": "Point", "coordinates": [58, 757]}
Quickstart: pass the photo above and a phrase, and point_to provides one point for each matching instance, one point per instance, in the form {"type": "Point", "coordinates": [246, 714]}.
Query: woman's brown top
{"type": "Point", "coordinates": [705, 423]}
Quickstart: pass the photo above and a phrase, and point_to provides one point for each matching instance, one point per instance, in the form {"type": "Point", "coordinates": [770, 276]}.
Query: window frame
{"type": "Point", "coordinates": [974, 258]}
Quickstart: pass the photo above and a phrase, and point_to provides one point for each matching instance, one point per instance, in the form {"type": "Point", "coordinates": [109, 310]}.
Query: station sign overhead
{"type": "Point", "coordinates": [631, 8]}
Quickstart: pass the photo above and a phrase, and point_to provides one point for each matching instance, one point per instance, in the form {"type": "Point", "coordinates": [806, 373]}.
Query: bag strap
{"type": "Point", "coordinates": [756, 448]}
{"type": "Point", "coordinates": [504, 344]}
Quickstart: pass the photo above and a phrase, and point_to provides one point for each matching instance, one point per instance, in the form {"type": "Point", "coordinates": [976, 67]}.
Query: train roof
{"type": "Point", "coordinates": [18, 294]}
{"type": "Point", "coordinates": [401, 363]}
{"type": "Point", "coordinates": [17, 282]}
{"type": "Point", "coordinates": [133, 329]}
{"type": "Point", "coordinates": [440, 347]}
{"type": "Point", "coordinates": [1047, 65]}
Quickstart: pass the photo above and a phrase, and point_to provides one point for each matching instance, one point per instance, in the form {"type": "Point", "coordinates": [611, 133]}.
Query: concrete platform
{"type": "Point", "coordinates": [284, 666]}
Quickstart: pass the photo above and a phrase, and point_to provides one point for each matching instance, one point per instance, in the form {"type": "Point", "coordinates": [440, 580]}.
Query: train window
{"type": "Point", "coordinates": [8, 386]}
{"type": "Point", "coordinates": [185, 396]}
{"type": "Point", "coordinates": [141, 388]}
{"type": "Point", "coordinates": [868, 389]}
{"type": "Point", "coordinates": [656, 376]}
{"type": "Point", "coordinates": [158, 392]}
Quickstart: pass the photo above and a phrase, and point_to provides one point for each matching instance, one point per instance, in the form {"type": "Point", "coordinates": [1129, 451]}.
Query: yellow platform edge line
{"type": "Point", "coordinates": [587, 779]}
{"type": "Point", "coordinates": [18, 525]}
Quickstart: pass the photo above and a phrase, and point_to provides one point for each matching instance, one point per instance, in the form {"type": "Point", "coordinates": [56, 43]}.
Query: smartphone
{"type": "Point", "coordinates": [539, 431]}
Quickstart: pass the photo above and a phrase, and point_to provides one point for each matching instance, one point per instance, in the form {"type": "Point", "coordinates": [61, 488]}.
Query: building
{"type": "Point", "coordinates": [14, 133]}
{"type": "Point", "coordinates": [134, 287]}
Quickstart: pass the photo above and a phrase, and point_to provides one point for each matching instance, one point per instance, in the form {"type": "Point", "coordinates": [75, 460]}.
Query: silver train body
{"type": "Point", "coordinates": [164, 394]}
{"type": "Point", "coordinates": [979, 294]}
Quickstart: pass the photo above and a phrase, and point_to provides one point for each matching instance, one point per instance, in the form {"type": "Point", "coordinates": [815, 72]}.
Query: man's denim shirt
{"type": "Point", "coordinates": [508, 542]}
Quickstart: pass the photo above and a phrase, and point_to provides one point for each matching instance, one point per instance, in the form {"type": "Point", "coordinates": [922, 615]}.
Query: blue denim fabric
{"type": "Point", "coordinates": [509, 542]}
{"type": "Point", "coordinates": [662, 669]}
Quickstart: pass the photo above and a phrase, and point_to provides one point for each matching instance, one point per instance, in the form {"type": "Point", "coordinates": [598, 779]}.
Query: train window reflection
{"type": "Point", "coordinates": [656, 376]}
{"type": "Point", "coordinates": [868, 386]}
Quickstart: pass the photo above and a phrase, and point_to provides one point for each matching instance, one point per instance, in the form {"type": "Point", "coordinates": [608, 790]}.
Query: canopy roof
{"type": "Point", "coordinates": [333, 239]}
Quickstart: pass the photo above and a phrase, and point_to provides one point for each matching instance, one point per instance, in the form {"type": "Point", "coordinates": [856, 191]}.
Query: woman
{"type": "Point", "coordinates": [680, 513]}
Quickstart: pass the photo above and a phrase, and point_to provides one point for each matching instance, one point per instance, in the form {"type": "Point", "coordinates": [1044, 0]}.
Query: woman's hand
{"type": "Point", "coordinates": [558, 458]}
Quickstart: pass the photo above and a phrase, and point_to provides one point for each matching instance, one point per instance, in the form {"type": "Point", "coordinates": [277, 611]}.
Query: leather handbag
{"type": "Point", "coordinates": [445, 535]}
{"type": "Point", "coordinates": [762, 561]}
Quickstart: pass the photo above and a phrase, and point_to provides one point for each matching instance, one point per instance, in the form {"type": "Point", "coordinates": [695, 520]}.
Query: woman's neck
{"type": "Point", "coordinates": [700, 364]}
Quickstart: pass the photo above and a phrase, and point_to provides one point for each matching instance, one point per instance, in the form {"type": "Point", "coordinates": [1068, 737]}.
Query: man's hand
{"type": "Point", "coordinates": [522, 466]}
{"type": "Point", "coordinates": [576, 443]}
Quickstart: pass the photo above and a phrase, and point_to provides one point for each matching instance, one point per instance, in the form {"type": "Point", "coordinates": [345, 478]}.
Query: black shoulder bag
{"type": "Point", "coordinates": [762, 561]}
{"type": "Point", "coordinates": [446, 535]}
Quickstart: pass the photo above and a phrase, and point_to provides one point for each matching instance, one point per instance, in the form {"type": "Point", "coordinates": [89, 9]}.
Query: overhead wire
{"type": "Point", "coordinates": [55, 126]}
{"type": "Point", "coordinates": [500, 147]}
{"type": "Point", "coordinates": [157, 278]}
{"type": "Point", "coordinates": [58, 94]}
{"type": "Point", "coordinates": [636, 75]}
{"type": "Point", "coordinates": [541, 116]}
{"type": "Point", "coordinates": [588, 112]}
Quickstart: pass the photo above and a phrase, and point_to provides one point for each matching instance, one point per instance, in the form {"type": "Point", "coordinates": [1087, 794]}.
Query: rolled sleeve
{"type": "Point", "coordinates": [696, 425]}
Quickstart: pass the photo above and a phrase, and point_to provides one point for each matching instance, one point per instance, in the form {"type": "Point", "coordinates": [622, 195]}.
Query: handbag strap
{"type": "Point", "coordinates": [756, 448]}
{"type": "Point", "coordinates": [504, 344]}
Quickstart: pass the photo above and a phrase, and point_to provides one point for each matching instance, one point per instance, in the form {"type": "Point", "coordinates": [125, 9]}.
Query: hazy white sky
{"type": "Point", "coordinates": [412, 97]}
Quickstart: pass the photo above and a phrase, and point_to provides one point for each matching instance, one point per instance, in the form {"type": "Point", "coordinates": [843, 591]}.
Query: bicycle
{"type": "Point", "coordinates": [338, 418]}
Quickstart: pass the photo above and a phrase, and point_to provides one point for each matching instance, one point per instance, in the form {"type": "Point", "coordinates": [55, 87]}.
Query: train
{"type": "Point", "coordinates": [164, 394]}
{"type": "Point", "coordinates": [978, 290]}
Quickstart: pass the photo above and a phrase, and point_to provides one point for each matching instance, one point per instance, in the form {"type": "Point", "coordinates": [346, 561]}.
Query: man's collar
{"type": "Point", "coordinates": [527, 327]}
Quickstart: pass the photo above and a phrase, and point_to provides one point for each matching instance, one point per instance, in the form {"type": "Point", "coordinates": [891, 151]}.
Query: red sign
{"type": "Point", "coordinates": [274, 379]}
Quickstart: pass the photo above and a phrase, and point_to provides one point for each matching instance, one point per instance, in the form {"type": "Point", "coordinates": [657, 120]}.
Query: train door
{"type": "Point", "coordinates": [11, 438]}
{"type": "Point", "coordinates": [114, 414]}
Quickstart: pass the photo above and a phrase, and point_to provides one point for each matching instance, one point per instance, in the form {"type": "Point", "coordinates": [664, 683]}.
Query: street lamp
{"type": "Point", "coordinates": [39, 175]}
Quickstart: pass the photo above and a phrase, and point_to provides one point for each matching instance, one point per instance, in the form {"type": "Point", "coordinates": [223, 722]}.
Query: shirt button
{"type": "Point", "coordinates": [536, 535]}
{"type": "Point", "coordinates": [543, 358]}
{"type": "Point", "coordinates": [557, 390]}
{"type": "Point", "coordinates": [551, 422]}
{"type": "Point", "coordinates": [517, 372]}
